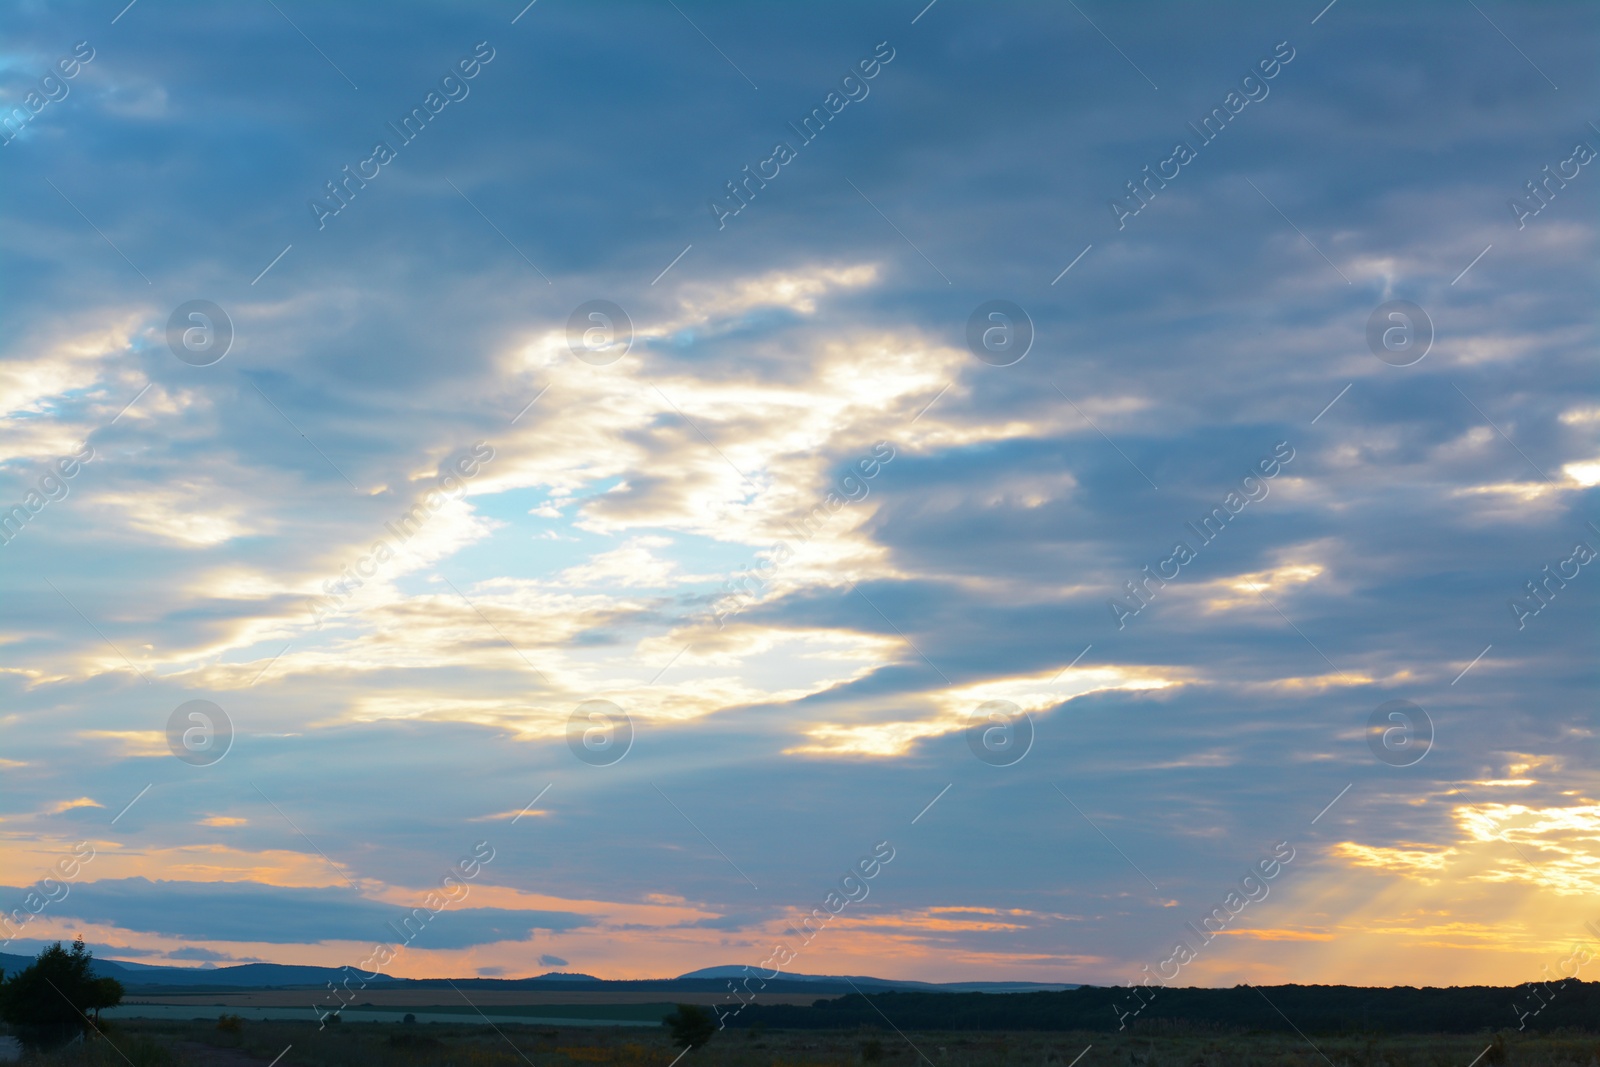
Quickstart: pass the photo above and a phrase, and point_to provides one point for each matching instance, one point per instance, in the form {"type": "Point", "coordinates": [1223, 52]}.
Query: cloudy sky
{"type": "Point", "coordinates": [677, 605]}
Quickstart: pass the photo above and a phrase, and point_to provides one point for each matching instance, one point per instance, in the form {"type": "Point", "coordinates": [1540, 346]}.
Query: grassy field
{"type": "Point", "coordinates": [546, 1016]}
{"type": "Point", "coordinates": [413, 998]}
{"type": "Point", "coordinates": [151, 1043]}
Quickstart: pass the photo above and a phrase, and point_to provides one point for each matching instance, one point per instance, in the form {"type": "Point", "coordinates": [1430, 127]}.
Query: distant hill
{"type": "Point", "coordinates": [242, 976]}
{"type": "Point", "coordinates": [866, 982]}
{"type": "Point", "coordinates": [739, 970]}
{"type": "Point", "coordinates": [145, 976]}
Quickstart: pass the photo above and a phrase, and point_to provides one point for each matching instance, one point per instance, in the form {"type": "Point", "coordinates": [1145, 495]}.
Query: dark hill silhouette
{"type": "Point", "coordinates": [243, 976]}
{"type": "Point", "coordinates": [146, 976]}
{"type": "Point", "coordinates": [737, 972]}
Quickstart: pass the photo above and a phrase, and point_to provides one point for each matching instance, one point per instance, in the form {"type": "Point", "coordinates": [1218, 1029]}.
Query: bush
{"type": "Point", "coordinates": [49, 1002]}
{"type": "Point", "coordinates": [230, 1024]}
{"type": "Point", "coordinates": [691, 1025]}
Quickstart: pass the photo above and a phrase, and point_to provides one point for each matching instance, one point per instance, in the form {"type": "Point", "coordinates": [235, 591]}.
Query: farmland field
{"type": "Point", "coordinates": [150, 1043]}
{"type": "Point", "coordinates": [410, 997]}
{"type": "Point", "coordinates": [431, 1005]}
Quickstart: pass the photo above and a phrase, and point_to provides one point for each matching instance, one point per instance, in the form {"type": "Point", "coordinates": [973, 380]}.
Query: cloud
{"type": "Point", "coordinates": [1562, 838]}
{"type": "Point", "coordinates": [242, 912]}
{"type": "Point", "coordinates": [718, 463]}
{"type": "Point", "coordinates": [207, 955]}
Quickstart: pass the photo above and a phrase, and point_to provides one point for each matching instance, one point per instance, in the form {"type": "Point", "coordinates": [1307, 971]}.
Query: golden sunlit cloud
{"type": "Point", "coordinates": [1586, 472]}
{"type": "Point", "coordinates": [1552, 848]}
{"type": "Point", "coordinates": [1277, 935]}
{"type": "Point", "coordinates": [746, 665]}
{"type": "Point", "coordinates": [796, 290]}
{"type": "Point", "coordinates": [192, 514]}
{"type": "Point", "coordinates": [131, 743]}
{"type": "Point", "coordinates": [1522, 491]}
{"type": "Point", "coordinates": [513, 814]}
{"type": "Point", "coordinates": [67, 805]}
{"type": "Point", "coordinates": [1246, 590]}
{"type": "Point", "coordinates": [1418, 863]}
{"type": "Point", "coordinates": [210, 862]}
{"type": "Point", "coordinates": [952, 710]}
{"type": "Point", "coordinates": [1314, 683]}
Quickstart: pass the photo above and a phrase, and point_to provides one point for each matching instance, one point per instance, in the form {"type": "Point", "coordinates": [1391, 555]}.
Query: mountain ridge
{"type": "Point", "coordinates": [270, 975]}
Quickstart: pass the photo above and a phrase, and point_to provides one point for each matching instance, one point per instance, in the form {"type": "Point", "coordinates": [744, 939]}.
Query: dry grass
{"type": "Point", "coordinates": [152, 1043]}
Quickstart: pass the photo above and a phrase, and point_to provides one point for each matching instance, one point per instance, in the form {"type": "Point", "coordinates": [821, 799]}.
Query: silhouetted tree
{"type": "Point", "coordinates": [691, 1025]}
{"type": "Point", "coordinates": [50, 1000]}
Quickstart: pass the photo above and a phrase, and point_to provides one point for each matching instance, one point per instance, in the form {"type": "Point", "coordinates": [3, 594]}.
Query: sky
{"type": "Point", "coordinates": [606, 474]}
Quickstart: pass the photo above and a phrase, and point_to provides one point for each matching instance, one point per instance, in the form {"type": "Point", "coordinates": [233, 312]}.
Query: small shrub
{"type": "Point", "coordinates": [417, 1041]}
{"type": "Point", "coordinates": [230, 1024]}
{"type": "Point", "coordinates": [872, 1050]}
{"type": "Point", "coordinates": [691, 1025]}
